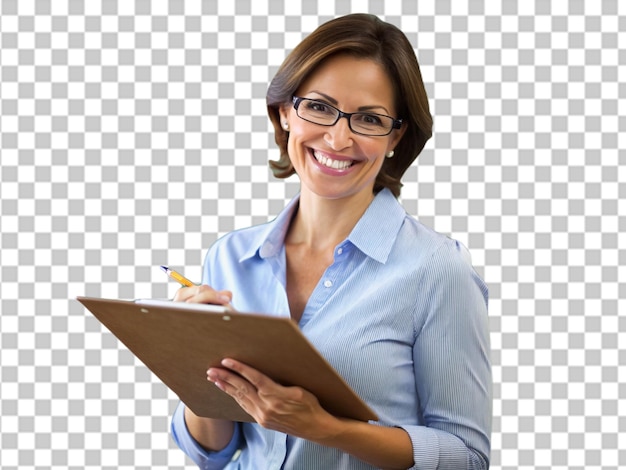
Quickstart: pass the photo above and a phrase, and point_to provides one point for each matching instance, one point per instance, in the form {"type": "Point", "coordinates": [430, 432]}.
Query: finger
{"type": "Point", "coordinates": [207, 295]}
{"type": "Point", "coordinates": [244, 393]}
{"type": "Point", "coordinates": [203, 294]}
{"type": "Point", "coordinates": [228, 379]}
{"type": "Point", "coordinates": [252, 375]}
{"type": "Point", "coordinates": [184, 293]}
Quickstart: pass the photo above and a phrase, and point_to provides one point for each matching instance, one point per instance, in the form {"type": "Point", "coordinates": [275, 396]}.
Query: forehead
{"type": "Point", "coordinates": [351, 80]}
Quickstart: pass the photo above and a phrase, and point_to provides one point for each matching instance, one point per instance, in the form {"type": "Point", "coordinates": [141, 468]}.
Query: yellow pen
{"type": "Point", "coordinates": [177, 277]}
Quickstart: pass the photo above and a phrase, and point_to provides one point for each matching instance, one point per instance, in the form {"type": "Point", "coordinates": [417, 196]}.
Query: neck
{"type": "Point", "coordinates": [321, 224]}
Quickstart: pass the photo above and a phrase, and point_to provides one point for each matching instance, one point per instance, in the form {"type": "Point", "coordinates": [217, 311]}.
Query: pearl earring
{"type": "Point", "coordinates": [389, 154]}
{"type": "Point", "coordinates": [286, 125]}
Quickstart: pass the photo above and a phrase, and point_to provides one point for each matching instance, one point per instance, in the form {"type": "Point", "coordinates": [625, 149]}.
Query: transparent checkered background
{"type": "Point", "coordinates": [134, 133]}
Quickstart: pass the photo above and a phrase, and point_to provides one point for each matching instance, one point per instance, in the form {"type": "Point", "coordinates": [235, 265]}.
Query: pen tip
{"type": "Point", "coordinates": [164, 268]}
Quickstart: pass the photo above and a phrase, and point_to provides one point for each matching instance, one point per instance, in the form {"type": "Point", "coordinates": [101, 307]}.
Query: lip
{"type": "Point", "coordinates": [332, 171]}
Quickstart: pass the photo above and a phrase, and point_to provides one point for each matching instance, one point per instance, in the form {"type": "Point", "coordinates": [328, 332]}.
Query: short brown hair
{"type": "Point", "coordinates": [364, 36]}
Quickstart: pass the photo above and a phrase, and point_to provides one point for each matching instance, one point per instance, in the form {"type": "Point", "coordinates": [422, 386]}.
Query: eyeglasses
{"type": "Point", "coordinates": [319, 112]}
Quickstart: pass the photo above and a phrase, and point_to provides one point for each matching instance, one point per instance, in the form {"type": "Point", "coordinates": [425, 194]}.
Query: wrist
{"type": "Point", "coordinates": [335, 430]}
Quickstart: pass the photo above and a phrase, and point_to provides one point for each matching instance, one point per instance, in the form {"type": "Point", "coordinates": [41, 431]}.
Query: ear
{"type": "Point", "coordinates": [283, 111]}
{"type": "Point", "coordinates": [395, 137]}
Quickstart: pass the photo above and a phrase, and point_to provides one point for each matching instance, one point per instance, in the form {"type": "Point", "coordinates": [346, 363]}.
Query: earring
{"type": "Point", "coordinates": [286, 125]}
{"type": "Point", "coordinates": [389, 154]}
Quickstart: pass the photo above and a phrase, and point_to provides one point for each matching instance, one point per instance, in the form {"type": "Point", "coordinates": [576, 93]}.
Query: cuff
{"type": "Point", "coordinates": [436, 450]}
{"type": "Point", "coordinates": [203, 458]}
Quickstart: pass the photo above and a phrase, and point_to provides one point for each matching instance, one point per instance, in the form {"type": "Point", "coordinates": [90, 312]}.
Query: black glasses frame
{"type": "Point", "coordinates": [297, 100]}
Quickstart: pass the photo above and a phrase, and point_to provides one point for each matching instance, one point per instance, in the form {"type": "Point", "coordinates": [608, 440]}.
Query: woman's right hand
{"type": "Point", "coordinates": [203, 294]}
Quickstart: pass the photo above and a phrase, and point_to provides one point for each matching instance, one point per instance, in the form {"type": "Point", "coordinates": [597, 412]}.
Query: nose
{"type": "Point", "coordinates": [339, 136]}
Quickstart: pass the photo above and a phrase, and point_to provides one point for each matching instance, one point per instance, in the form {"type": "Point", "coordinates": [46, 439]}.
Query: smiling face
{"type": "Point", "coordinates": [332, 161]}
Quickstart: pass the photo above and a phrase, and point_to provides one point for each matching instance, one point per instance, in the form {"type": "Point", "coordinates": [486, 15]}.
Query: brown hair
{"type": "Point", "coordinates": [364, 36]}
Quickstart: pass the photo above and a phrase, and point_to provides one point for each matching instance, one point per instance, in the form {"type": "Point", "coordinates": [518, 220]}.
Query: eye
{"type": "Point", "coordinates": [318, 107]}
{"type": "Point", "coordinates": [371, 119]}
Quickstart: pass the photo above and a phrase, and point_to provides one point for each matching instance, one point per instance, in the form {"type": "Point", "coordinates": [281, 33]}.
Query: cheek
{"type": "Point", "coordinates": [295, 150]}
{"type": "Point", "coordinates": [297, 138]}
{"type": "Point", "coordinates": [376, 153]}
{"type": "Point", "coordinates": [298, 129]}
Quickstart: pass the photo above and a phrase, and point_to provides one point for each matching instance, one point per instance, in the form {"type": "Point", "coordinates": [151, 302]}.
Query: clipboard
{"type": "Point", "coordinates": [179, 342]}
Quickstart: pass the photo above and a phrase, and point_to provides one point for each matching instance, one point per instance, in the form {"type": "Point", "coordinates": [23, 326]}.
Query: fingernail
{"type": "Point", "coordinates": [227, 363]}
{"type": "Point", "coordinates": [224, 299]}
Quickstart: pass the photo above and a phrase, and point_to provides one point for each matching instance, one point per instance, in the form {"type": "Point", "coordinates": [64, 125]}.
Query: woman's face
{"type": "Point", "coordinates": [332, 161]}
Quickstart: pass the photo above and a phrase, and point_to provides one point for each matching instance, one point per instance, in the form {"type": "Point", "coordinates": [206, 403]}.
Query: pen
{"type": "Point", "coordinates": [177, 277]}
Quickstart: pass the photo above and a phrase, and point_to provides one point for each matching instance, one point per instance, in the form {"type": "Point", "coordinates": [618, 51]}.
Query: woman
{"type": "Point", "coordinates": [396, 308]}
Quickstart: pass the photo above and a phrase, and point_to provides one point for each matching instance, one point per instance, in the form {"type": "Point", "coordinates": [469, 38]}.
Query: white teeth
{"type": "Point", "coordinates": [330, 163]}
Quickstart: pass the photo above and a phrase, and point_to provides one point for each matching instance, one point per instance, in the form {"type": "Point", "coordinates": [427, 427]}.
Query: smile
{"type": "Point", "coordinates": [330, 163]}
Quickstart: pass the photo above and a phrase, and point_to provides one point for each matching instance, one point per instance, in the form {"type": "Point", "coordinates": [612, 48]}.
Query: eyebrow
{"type": "Point", "coordinates": [334, 102]}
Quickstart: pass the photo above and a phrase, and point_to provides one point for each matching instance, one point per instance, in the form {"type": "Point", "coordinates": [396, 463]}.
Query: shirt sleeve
{"type": "Point", "coordinates": [452, 366]}
{"type": "Point", "coordinates": [201, 457]}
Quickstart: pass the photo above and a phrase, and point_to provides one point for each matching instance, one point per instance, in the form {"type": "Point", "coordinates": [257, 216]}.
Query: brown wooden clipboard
{"type": "Point", "coordinates": [179, 342]}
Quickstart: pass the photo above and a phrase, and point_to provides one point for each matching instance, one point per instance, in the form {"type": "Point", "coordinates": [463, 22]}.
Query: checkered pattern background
{"type": "Point", "coordinates": [134, 133]}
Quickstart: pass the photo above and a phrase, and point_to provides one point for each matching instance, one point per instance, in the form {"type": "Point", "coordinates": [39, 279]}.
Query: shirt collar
{"type": "Point", "coordinates": [376, 231]}
{"type": "Point", "coordinates": [373, 238]}
{"type": "Point", "coordinates": [269, 241]}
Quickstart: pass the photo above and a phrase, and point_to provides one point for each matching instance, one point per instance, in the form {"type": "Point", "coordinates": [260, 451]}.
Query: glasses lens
{"type": "Point", "coordinates": [371, 124]}
{"type": "Point", "coordinates": [324, 114]}
{"type": "Point", "coordinates": [317, 112]}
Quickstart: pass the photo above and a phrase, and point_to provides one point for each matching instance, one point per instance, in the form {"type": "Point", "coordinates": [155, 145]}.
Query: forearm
{"type": "Point", "coordinates": [382, 447]}
{"type": "Point", "coordinates": [212, 434]}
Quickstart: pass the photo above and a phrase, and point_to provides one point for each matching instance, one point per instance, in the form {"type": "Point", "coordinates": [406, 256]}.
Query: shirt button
{"type": "Point", "coordinates": [328, 283]}
{"type": "Point", "coordinates": [339, 251]}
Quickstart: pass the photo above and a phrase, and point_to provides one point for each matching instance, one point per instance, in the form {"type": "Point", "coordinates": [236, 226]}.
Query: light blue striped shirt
{"type": "Point", "coordinates": [401, 315]}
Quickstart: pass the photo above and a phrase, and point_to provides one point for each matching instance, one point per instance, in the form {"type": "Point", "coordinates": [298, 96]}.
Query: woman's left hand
{"type": "Point", "coordinates": [297, 412]}
{"type": "Point", "coordinates": [291, 410]}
